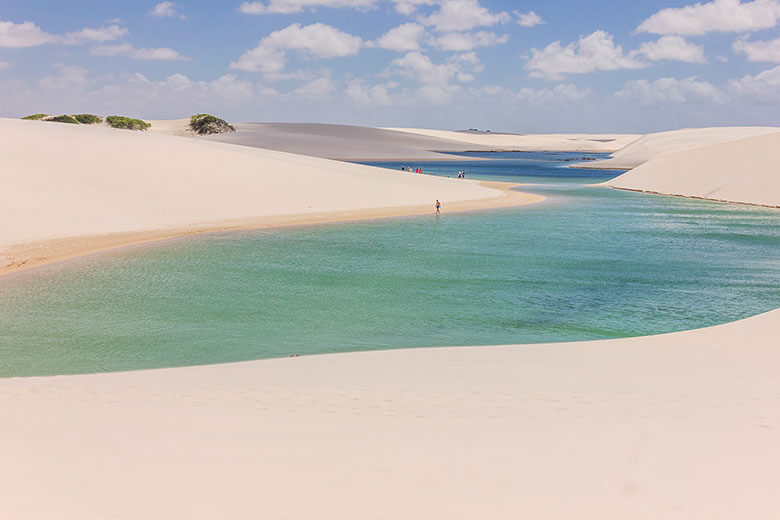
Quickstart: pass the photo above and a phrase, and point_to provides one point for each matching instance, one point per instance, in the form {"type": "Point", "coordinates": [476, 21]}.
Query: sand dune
{"type": "Point", "coordinates": [746, 171]}
{"type": "Point", "coordinates": [675, 426]}
{"type": "Point", "coordinates": [531, 142]}
{"type": "Point", "coordinates": [651, 145]}
{"type": "Point", "coordinates": [71, 181]}
{"type": "Point", "coordinates": [344, 142]}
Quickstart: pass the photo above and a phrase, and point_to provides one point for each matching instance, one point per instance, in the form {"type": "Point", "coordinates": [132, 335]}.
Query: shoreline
{"type": "Point", "coordinates": [692, 197]}
{"type": "Point", "coordinates": [29, 255]}
{"type": "Point", "coordinates": [464, 432]}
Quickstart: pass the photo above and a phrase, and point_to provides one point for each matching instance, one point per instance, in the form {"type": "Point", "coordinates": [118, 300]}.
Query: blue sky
{"type": "Point", "coordinates": [537, 66]}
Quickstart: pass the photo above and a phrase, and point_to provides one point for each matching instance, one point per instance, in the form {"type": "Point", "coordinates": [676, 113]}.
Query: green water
{"type": "Point", "coordinates": [588, 263]}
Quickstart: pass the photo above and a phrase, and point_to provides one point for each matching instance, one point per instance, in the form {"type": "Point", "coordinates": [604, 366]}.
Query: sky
{"type": "Point", "coordinates": [514, 66]}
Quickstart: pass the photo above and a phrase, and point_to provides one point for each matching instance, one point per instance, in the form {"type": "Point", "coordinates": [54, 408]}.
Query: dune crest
{"type": "Point", "coordinates": [745, 171]}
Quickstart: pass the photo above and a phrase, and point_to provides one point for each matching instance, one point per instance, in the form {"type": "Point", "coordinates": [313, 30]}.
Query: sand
{"type": "Point", "coordinates": [70, 189]}
{"type": "Point", "coordinates": [745, 171]}
{"type": "Point", "coordinates": [531, 142]}
{"type": "Point", "coordinates": [345, 142]}
{"type": "Point", "coordinates": [651, 145]}
{"type": "Point", "coordinates": [673, 426]}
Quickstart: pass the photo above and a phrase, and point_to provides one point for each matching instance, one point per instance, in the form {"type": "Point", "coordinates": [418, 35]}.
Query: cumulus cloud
{"type": "Point", "coordinates": [409, 6]}
{"type": "Point", "coordinates": [590, 53]}
{"type": "Point", "coordinates": [25, 34]}
{"type": "Point", "coordinates": [158, 54]}
{"type": "Point", "coordinates": [316, 40]}
{"type": "Point", "coordinates": [759, 50]}
{"type": "Point", "coordinates": [166, 10]}
{"type": "Point", "coordinates": [296, 6]}
{"type": "Point", "coordinates": [468, 41]}
{"type": "Point", "coordinates": [320, 88]}
{"type": "Point", "coordinates": [403, 38]}
{"type": "Point", "coordinates": [562, 93]}
{"type": "Point", "coordinates": [426, 72]}
{"type": "Point", "coordinates": [28, 34]}
{"type": "Point", "coordinates": [715, 16]}
{"type": "Point", "coordinates": [673, 48]}
{"type": "Point", "coordinates": [99, 34]}
{"type": "Point", "coordinates": [528, 19]}
{"type": "Point", "coordinates": [671, 90]}
{"type": "Point", "coordinates": [462, 15]}
{"type": "Point", "coordinates": [369, 96]}
{"type": "Point", "coordinates": [763, 87]}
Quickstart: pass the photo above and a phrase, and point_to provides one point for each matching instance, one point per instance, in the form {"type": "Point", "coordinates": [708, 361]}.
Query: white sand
{"type": "Point", "coordinates": [651, 145]}
{"type": "Point", "coordinates": [746, 171]}
{"type": "Point", "coordinates": [675, 426]}
{"type": "Point", "coordinates": [681, 426]}
{"type": "Point", "coordinates": [62, 180]}
{"type": "Point", "coordinates": [531, 142]}
{"type": "Point", "coordinates": [345, 142]}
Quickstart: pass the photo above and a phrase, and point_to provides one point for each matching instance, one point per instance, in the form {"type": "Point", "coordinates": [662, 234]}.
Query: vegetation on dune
{"type": "Point", "coordinates": [205, 124]}
{"type": "Point", "coordinates": [126, 122]}
{"type": "Point", "coordinates": [62, 119]}
{"type": "Point", "coordinates": [88, 119]}
{"type": "Point", "coordinates": [36, 117]}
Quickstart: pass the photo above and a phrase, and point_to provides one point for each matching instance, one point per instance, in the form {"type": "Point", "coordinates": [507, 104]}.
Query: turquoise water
{"type": "Point", "coordinates": [588, 263]}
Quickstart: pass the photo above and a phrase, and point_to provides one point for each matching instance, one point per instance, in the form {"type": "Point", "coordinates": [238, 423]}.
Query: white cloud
{"type": "Point", "coordinates": [376, 95]}
{"type": "Point", "coordinates": [468, 41]}
{"type": "Point", "coordinates": [528, 19]}
{"type": "Point", "coordinates": [462, 15]}
{"type": "Point", "coordinates": [4, 65]}
{"type": "Point", "coordinates": [318, 89]}
{"type": "Point", "coordinates": [673, 48]}
{"type": "Point", "coordinates": [671, 90]}
{"type": "Point", "coordinates": [315, 40]}
{"type": "Point", "coordinates": [70, 78]}
{"type": "Point", "coordinates": [100, 34]}
{"type": "Point", "coordinates": [458, 67]}
{"type": "Point", "coordinates": [405, 37]}
{"type": "Point", "coordinates": [760, 50]}
{"type": "Point", "coordinates": [764, 87]}
{"type": "Point", "coordinates": [25, 34]}
{"type": "Point", "coordinates": [296, 6]}
{"type": "Point", "coordinates": [420, 66]}
{"type": "Point", "coordinates": [409, 6]}
{"type": "Point", "coordinates": [590, 53]}
{"type": "Point", "coordinates": [715, 16]}
{"type": "Point", "coordinates": [166, 10]}
{"type": "Point", "coordinates": [159, 54]}
{"type": "Point", "coordinates": [562, 93]}
{"type": "Point", "coordinates": [438, 94]}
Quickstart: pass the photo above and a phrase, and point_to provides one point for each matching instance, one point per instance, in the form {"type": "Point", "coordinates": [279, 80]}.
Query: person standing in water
{"type": "Point", "coordinates": [438, 206]}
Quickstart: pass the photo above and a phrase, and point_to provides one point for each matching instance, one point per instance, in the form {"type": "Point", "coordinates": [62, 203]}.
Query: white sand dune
{"type": "Point", "coordinates": [745, 171]}
{"type": "Point", "coordinates": [651, 145]}
{"type": "Point", "coordinates": [62, 180]}
{"type": "Point", "coordinates": [673, 426]}
{"type": "Point", "coordinates": [531, 142]}
{"type": "Point", "coordinates": [345, 142]}
{"type": "Point", "coordinates": [679, 426]}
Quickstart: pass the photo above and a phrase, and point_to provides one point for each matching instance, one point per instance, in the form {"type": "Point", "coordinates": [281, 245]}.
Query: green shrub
{"type": "Point", "coordinates": [36, 117]}
{"type": "Point", "coordinates": [88, 119]}
{"type": "Point", "coordinates": [205, 124]}
{"type": "Point", "coordinates": [126, 122]}
{"type": "Point", "coordinates": [62, 119]}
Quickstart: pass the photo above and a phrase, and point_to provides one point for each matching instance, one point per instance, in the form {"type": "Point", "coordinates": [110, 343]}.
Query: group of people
{"type": "Point", "coordinates": [408, 169]}
{"type": "Point", "coordinates": [461, 174]}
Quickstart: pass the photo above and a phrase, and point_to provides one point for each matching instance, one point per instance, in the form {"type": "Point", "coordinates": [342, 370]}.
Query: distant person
{"type": "Point", "coordinates": [402, 169]}
{"type": "Point", "coordinates": [438, 206]}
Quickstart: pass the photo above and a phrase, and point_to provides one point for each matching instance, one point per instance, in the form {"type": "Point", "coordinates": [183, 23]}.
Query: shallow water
{"type": "Point", "coordinates": [588, 263]}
